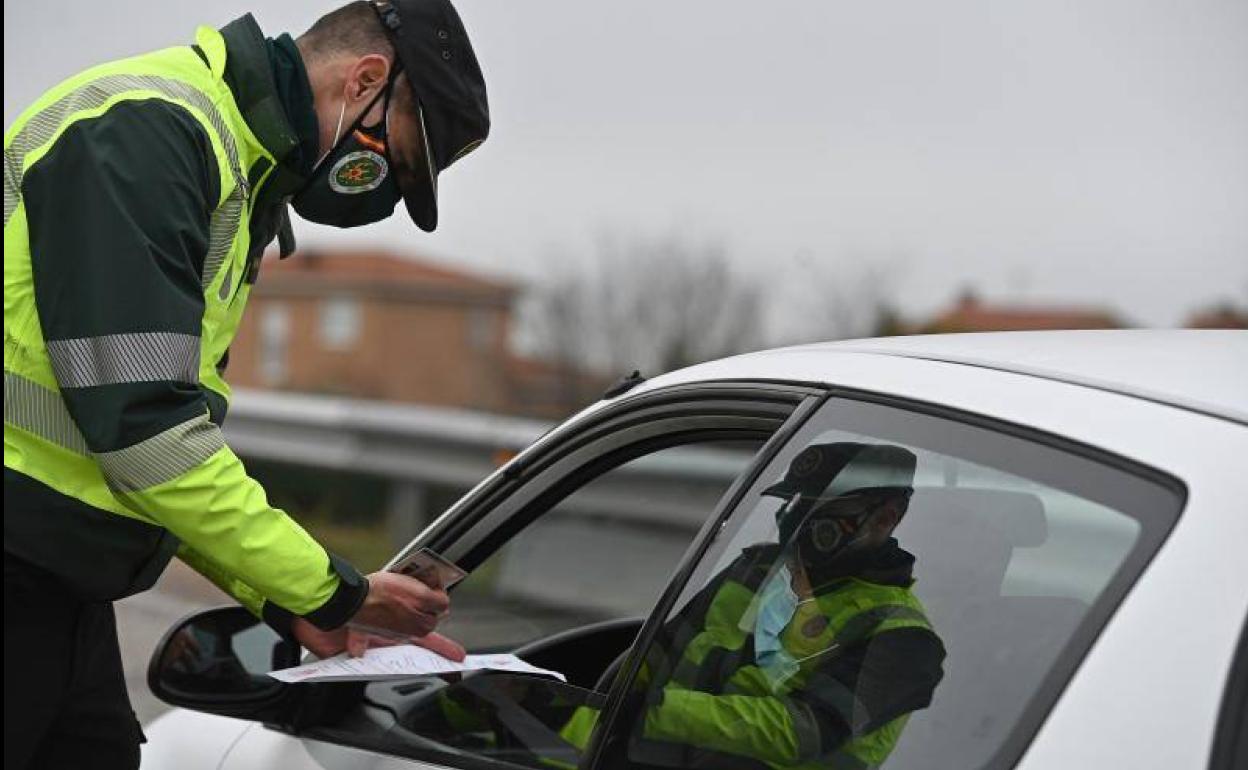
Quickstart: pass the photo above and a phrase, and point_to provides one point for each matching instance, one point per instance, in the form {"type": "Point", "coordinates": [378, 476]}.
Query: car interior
{"type": "Point", "coordinates": [998, 647]}
{"type": "Point", "coordinates": [589, 654]}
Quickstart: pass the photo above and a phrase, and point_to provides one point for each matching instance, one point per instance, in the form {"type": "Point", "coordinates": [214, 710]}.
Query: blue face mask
{"type": "Point", "coordinates": [777, 603]}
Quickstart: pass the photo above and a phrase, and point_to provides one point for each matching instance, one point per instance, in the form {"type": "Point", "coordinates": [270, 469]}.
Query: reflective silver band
{"type": "Point", "coordinates": [114, 359]}
{"type": "Point", "coordinates": [44, 125]}
{"type": "Point", "coordinates": [162, 457]}
{"type": "Point", "coordinates": [41, 411]}
{"type": "Point", "coordinates": [223, 228]}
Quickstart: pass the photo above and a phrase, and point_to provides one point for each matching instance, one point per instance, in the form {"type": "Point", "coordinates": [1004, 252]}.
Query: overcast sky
{"type": "Point", "coordinates": [1064, 151]}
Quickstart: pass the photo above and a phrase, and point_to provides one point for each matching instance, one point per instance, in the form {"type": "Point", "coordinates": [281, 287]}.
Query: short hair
{"type": "Point", "coordinates": [352, 30]}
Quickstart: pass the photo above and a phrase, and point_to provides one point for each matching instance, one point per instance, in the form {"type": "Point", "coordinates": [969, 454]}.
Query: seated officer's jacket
{"type": "Point", "coordinates": [859, 659]}
{"type": "Point", "coordinates": [138, 197]}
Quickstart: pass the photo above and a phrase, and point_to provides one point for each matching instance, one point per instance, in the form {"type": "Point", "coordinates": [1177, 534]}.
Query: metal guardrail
{"type": "Point", "coordinates": [412, 442]}
{"type": "Point", "coordinates": [416, 448]}
{"type": "Point", "coordinates": [403, 442]}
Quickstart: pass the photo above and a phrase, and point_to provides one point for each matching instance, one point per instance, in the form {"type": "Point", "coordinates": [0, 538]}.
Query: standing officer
{"type": "Point", "coordinates": [138, 198]}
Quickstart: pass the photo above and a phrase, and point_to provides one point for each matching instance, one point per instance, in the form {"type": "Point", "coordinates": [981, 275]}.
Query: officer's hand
{"type": "Point", "coordinates": [325, 644]}
{"type": "Point", "coordinates": [402, 606]}
{"type": "Point", "coordinates": [355, 641]}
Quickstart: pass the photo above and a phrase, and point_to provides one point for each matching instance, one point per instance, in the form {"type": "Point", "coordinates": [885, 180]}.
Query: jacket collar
{"type": "Point", "coordinates": [249, 76]}
{"type": "Point", "coordinates": [889, 565]}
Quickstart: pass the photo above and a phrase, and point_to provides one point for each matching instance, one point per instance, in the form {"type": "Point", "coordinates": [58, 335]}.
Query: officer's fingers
{"type": "Point", "coordinates": [424, 607]}
{"type": "Point", "coordinates": [358, 643]}
{"type": "Point", "coordinates": [431, 578]}
{"type": "Point", "coordinates": [424, 599]}
{"type": "Point", "coordinates": [398, 623]}
{"type": "Point", "coordinates": [410, 594]}
{"type": "Point", "coordinates": [420, 623]}
{"type": "Point", "coordinates": [322, 644]}
{"type": "Point", "coordinates": [442, 645]}
{"type": "Point", "coordinates": [401, 604]}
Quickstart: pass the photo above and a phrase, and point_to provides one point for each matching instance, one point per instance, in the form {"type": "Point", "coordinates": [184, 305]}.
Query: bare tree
{"type": "Point", "coordinates": [652, 304]}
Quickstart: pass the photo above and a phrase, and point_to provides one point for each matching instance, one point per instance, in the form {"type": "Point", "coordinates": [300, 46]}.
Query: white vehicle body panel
{"type": "Point", "coordinates": [190, 740]}
{"type": "Point", "coordinates": [263, 748]}
{"type": "Point", "coordinates": [1147, 695]}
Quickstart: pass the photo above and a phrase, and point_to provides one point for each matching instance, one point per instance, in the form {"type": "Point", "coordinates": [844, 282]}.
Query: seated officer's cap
{"type": "Point", "coordinates": [823, 472]}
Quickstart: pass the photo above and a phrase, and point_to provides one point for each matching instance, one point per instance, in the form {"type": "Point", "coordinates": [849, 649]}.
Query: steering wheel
{"type": "Point", "coordinates": [609, 673]}
{"type": "Point", "coordinates": [583, 653]}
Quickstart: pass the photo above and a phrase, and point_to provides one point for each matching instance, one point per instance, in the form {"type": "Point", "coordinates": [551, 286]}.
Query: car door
{"type": "Point", "coordinates": [568, 549]}
{"type": "Point", "coordinates": [944, 647]}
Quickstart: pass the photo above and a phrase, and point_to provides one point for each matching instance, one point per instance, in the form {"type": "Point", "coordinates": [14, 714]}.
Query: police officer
{"type": "Point", "coordinates": [138, 198]}
{"type": "Point", "coordinates": [807, 653]}
{"type": "Point", "coordinates": [810, 652]}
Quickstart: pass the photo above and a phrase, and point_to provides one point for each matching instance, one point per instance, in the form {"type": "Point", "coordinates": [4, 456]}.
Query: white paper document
{"type": "Point", "coordinates": [398, 662]}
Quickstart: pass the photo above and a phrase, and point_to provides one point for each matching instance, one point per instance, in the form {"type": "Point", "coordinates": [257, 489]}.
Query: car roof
{"type": "Point", "coordinates": [1199, 370]}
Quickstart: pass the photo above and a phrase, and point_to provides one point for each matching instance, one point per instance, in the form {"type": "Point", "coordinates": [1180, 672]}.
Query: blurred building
{"type": "Point", "coordinates": [1224, 316]}
{"type": "Point", "coordinates": [970, 314]}
{"type": "Point", "coordinates": [374, 325]}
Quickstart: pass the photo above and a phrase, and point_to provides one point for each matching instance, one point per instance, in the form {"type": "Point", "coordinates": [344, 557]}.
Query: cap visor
{"type": "Point", "coordinates": [419, 185]}
{"type": "Point", "coordinates": [779, 490]}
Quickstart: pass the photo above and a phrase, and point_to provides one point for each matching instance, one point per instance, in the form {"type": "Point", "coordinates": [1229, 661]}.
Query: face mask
{"type": "Point", "coordinates": [353, 184]}
{"type": "Point", "coordinates": [777, 603]}
{"type": "Point", "coordinates": [824, 540]}
{"type": "Point", "coordinates": [829, 546]}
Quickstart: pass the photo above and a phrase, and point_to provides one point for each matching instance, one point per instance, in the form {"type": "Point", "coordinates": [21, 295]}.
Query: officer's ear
{"type": "Point", "coordinates": [367, 76]}
{"type": "Point", "coordinates": [892, 511]}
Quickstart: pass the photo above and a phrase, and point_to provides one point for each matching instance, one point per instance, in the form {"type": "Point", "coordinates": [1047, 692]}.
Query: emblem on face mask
{"type": "Point", "coordinates": [825, 534]}
{"type": "Point", "coordinates": [358, 172]}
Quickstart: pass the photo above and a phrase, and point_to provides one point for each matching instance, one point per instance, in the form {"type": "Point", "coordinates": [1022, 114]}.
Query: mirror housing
{"type": "Point", "coordinates": [217, 661]}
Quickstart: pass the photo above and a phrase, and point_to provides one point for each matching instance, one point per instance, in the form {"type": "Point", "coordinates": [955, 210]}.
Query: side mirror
{"type": "Point", "coordinates": [218, 661]}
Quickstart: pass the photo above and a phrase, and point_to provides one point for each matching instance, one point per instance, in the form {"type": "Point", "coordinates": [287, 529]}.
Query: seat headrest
{"type": "Point", "coordinates": [1016, 518]}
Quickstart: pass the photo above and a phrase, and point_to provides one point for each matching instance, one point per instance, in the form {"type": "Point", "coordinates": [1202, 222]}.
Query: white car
{"type": "Point", "coordinates": [1079, 519]}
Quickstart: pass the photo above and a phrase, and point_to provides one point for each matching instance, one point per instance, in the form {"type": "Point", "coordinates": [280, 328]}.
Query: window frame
{"type": "Point", "coordinates": [615, 726]}
{"type": "Point", "coordinates": [565, 462]}
{"type": "Point", "coordinates": [683, 410]}
{"type": "Point", "coordinates": [273, 344]}
{"type": "Point", "coordinates": [335, 312]}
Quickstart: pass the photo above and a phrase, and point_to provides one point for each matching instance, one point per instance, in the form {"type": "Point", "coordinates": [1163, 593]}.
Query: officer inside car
{"type": "Point", "coordinates": [809, 652]}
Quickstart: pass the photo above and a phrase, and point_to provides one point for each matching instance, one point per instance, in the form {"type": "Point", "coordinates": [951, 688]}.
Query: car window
{"type": "Point", "coordinates": [899, 590]}
{"type": "Point", "coordinates": [604, 551]}
{"type": "Point", "coordinates": [567, 592]}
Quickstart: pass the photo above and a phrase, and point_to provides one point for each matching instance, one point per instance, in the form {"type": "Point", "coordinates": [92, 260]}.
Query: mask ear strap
{"type": "Point", "coordinates": [333, 145]}
{"type": "Point", "coordinates": [338, 128]}
{"type": "Point", "coordinates": [339, 136]}
{"type": "Point", "coordinates": [395, 71]}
